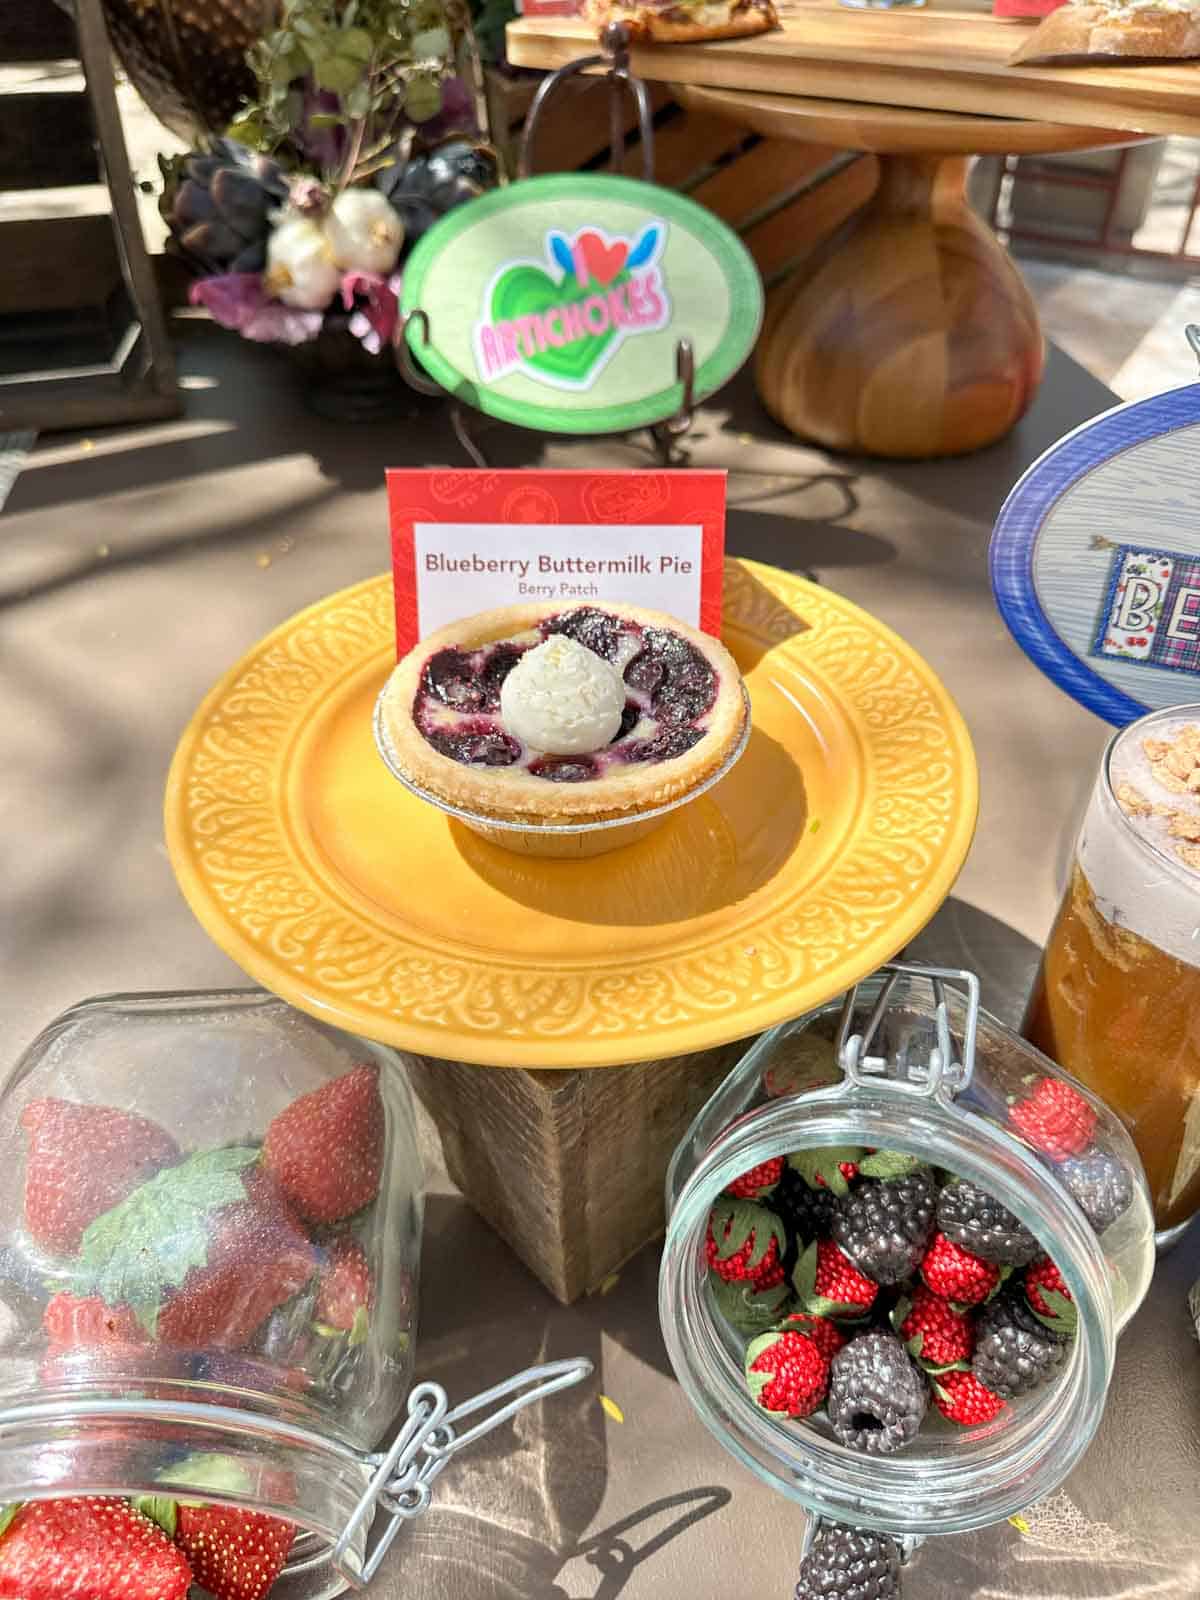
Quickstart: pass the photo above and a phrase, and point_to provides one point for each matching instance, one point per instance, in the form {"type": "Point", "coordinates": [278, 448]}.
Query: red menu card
{"type": "Point", "coordinates": [467, 541]}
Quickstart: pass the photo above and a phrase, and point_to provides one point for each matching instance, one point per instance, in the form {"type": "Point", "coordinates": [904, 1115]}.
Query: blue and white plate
{"type": "Point", "coordinates": [1095, 558]}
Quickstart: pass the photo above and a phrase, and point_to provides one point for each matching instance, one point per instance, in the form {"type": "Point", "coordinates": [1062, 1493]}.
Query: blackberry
{"type": "Point", "coordinates": [1014, 1352]}
{"type": "Point", "coordinates": [974, 1219]}
{"type": "Point", "coordinates": [877, 1394]}
{"type": "Point", "coordinates": [1101, 1184]}
{"type": "Point", "coordinates": [806, 1213]}
{"type": "Point", "coordinates": [884, 1225]}
{"type": "Point", "coordinates": [850, 1564]}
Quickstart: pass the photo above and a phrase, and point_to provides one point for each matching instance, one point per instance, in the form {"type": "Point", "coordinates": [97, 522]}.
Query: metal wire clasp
{"type": "Point", "coordinates": [402, 1482]}
{"type": "Point", "coordinates": [1192, 334]}
{"type": "Point", "coordinates": [947, 1070]}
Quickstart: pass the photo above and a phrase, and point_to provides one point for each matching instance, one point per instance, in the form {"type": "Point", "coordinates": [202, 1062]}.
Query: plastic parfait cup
{"type": "Point", "coordinates": [1118, 992]}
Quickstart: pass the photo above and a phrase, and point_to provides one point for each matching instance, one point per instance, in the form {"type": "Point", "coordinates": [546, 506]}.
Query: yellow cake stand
{"type": "Point", "coordinates": [826, 848]}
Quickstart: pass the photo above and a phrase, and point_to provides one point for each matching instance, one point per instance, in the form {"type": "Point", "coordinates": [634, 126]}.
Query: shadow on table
{"type": "Point", "coordinates": [976, 485]}
{"type": "Point", "coordinates": [510, 1514]}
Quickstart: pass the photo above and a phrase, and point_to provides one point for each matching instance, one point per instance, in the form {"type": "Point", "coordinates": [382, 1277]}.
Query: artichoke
{"type": "Point", "coordinates": [218, 206]}
{"type": "Point", "coordinates": [435, 180]}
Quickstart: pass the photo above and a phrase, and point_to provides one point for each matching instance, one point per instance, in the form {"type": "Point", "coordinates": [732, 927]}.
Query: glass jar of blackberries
{"type": "Point", "coordinates": [210, 1229]}
{"type": "Point", "coordinates": [901, 1246]}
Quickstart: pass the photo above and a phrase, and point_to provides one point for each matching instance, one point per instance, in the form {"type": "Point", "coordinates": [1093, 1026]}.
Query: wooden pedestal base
{"type": "Point", "coordinates": [568, 1167]}
{"type": "Point", "coordinates": [910, 333]}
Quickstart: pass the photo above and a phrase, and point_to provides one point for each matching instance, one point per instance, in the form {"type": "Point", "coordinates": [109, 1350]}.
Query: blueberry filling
{"type": "Point", "coordinates": [563, 769]}
{"type": "Point", "coordinates": [598, 630]}
{"type": "Point", "coordinates": [671, 688]}
{"type": "Point", "coordinates": [485, 746]}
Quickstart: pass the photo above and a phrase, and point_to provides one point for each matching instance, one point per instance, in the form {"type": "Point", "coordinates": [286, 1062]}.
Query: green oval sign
{"type": "Point", "coordinates": [557, 303]}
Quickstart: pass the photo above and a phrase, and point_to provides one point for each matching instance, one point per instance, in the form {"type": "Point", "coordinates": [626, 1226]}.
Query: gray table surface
{"type": "Point", "coordinates": [137, 565]}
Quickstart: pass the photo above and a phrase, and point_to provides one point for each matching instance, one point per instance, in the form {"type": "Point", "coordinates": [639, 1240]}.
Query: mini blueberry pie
{"type": "Point", "coordinates": [541, 715]}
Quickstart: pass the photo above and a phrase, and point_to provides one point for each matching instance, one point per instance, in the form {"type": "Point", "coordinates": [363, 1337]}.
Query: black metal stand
{"type": "Point", "coordinates": [615, 57]}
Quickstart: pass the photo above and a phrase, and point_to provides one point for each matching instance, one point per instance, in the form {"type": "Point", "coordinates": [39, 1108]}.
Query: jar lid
{"type": "Point", "coordinates": [1095, 557]}
{"type": "Point", "coordinates": [907, 1064]}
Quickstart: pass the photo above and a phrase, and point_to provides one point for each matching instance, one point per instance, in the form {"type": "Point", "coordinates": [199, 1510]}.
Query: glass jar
{"type": "Point", "coordinates": [211, 1224]}
{"type": "Point", "coordinates": [927, 1074]}
{"type": "Point", "coordinates": [1116, 997]}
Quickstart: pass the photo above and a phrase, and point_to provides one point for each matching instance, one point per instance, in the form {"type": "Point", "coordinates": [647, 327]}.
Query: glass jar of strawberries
{"type": "Point", "coordinates": [901, 1246]}
{"type": "Point", "coordinates": [210, 1229]}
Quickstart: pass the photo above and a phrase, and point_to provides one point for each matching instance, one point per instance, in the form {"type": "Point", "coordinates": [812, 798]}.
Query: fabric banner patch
{"type": "Point", "coordinates": [1152, 609]}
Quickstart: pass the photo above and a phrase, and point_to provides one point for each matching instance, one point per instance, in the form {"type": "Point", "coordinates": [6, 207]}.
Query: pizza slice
{"type": "Point", "coordinates": [1132, 30]}
{"type": "Point", "coordinates": [683, 21]}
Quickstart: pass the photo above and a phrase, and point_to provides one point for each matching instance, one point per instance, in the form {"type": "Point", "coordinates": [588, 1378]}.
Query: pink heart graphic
{"type": "Point", "coordinates": [603, 261]}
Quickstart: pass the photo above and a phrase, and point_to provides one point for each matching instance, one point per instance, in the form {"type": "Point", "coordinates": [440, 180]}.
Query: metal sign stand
{"type": "Point", "coordinates": [464, 418]}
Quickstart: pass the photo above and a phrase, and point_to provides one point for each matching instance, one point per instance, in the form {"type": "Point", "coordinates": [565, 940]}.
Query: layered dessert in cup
{"type": "Point", "coordinates": [1118, 995]}
{"type": "Point", "coordinates": [563, 732]}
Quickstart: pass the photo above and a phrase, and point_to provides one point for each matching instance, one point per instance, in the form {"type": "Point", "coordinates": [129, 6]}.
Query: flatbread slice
{"type": "Point", "coordinates": [684, 21]}
{"type": "Point", "coordinates": [1115, 31]}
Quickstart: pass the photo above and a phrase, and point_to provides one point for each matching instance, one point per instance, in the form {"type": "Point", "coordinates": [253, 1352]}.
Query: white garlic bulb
{"type": "Point", "coordinates": [301, 270]}
{"type": "Point", "coordinates": [364, 231]}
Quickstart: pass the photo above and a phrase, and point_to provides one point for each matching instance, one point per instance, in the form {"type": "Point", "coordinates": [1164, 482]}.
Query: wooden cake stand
{"type": "Point", "coordinates": [910, 332]}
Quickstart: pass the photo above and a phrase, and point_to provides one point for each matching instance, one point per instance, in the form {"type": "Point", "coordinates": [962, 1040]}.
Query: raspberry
{"type": "Point", "coordinates": [826, 1335]}
{"type": "Point", "coordinates": [787, 1374]}
{"type": "Point", "coordinates": [934, 1332]}
{"type": "Point", "coordinates": [759, 1181]}
{"type": "Point", "coordinates": [807, 1213]}
{"type": "Point", "coordinates": [1101, 1184]}
{"type": "Point", "coordinates": [961, 1397]}
{"type": "Point", "coordinates": [885, 1226]}
{"type": "Point", "coordinates": [956, 1274]}
{"type": "Point", "coordinates": [1014, 1352]}
{"type": "Point", "coordinates": [977, 1221]}
{"type": "Point", "coordinates": [1055, 1119]}
{"type": "Point", "coordinates": [846, 1563]}
{"type": "Point", "coordinates": [877, 1394]}
{"type": "Point", "coordinates": [745, 1243]}
{"type": "Point", "coordinates": [838, 1287]}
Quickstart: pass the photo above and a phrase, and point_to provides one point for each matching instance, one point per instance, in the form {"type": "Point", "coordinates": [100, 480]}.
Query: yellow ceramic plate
{"type": "Point", "coordinates": [829, 845]}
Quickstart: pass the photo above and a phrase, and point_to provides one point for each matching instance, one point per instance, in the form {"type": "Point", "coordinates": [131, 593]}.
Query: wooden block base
{"type": "Point", "coordinates": [568, 1167]}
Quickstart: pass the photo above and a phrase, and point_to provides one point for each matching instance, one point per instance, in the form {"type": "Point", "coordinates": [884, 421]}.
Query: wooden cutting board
{"type": "Point", "coordinates": [944, 57]}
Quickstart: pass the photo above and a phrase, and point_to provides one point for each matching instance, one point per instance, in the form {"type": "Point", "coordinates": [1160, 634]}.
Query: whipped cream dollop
{"type": "Point", "coordinates": [562, 698]}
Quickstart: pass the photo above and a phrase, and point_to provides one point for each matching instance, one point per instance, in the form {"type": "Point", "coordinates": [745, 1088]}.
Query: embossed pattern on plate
{"type": "Point", "coordinates": [829, 845]}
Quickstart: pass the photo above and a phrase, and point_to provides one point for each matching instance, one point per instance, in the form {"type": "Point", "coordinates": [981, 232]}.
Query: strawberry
{"type": "Point", "coordinates": [758, 1182]}
{"type": "Point", "coordinates": [936, 1334]}
{"type": "Point", "coordinates": [234, 1554]}
{"type": "Point", "coordinates": [828, 1284]}
{"type": "Point", "coordinates": [82, 1161]}
{"type": "Point", "coordinates": [1049, 1297]}
{"type": "Point", "coordinates": [326, 1149]}
{"type": "Point", "coordinates": [848, 1170]}
{"type": "Point", "coordinates": [828, 1166]}
{"type": "Point", "coordinates": [71, 1323]}
{"type": "Point", "coordinates": [747, 1308]}
{"type": "Point", "coordinates": [257, 1257]}
{"type": "Point", "coordinates": [202, 1252]}
{"type": "Point", "coordinates": [957, 1274]}
{"type": "Point", "coordinates": [826, 1335]}
{"type": "Point", "coordinates": [91, 1548]}
{"type": "Point", "coordinates": [961, 1397]}
{"type": "Point", "coordinates": [786, 1373]}
{"type": "Point", "coordinates": [745, 1243]}
{"type": "Point", "coordinates": [1044, 1275]}
{"type": "Point", "coordinates": [346, 1295]}
{"type": "Point", "coordinates": [1055, 1119]}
